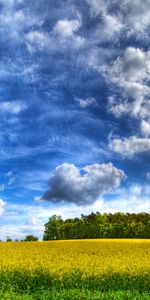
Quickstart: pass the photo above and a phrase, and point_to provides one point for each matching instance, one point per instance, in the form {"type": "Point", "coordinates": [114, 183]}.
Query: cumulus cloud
{"type": "Point", "coordinates": [13, 107]}
{"type": "Point", "coordinates": [134, 65]}
{"type": "Point", "coordinates": [82, 186]}
{"type": "Point", "coordinates": [130, 73]}
{"type": "Point", "coordinates": [86, 102]}
{"type": "Point", "coordinates": [67, 28]}
{"type": "Point", "coordinates": [129, 70]}
{"type": "Point", "coordinates": [145, 128]}
{"type": "Point", "coordinates": [134, 15]}
{"type": "Point", "coordinates": [129, 146]}
{"type": "Point", "coordinates": [110, 24]}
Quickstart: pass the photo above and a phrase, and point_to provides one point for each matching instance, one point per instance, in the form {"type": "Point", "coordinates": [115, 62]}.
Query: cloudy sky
{"type": "Point", "coordinates": [74, 110]}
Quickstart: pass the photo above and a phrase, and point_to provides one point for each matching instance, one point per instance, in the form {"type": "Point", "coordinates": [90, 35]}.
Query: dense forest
{"type": "Point", "coordinates": [97, 225]}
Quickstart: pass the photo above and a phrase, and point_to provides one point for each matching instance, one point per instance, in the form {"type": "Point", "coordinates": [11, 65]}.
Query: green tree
{"type": "Point", "coordinates": [96, 225]}
{"type": "Point", "coordinates": [8, 239]}
{"type": "Point", "coordinates": [31, 238]}
{"type": "Point", "coordinates": [54, 229]}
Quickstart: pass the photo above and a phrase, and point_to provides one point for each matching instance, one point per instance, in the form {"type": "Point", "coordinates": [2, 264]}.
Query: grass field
{"type": "Point", "coordinates": [79, 269]}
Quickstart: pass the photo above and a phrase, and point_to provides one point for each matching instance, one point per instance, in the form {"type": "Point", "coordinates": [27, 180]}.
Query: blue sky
{"type": "Point", "coordinates": [74, 110]}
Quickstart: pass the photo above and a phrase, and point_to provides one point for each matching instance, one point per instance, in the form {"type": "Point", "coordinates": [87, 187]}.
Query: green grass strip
{"type": "Point", "coordinates": [76, 294]}
{"type": "Point", "coordinates": [26, 283]}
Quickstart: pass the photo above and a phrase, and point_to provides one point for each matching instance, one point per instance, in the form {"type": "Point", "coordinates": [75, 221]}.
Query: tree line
{"type": "Point", "coordinates": [28, 238]}
{"type": "Point", "coordinates": [97, 225]}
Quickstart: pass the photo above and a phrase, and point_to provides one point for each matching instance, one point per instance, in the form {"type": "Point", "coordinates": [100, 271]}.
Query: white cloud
{"type": "Point", "coordinates": [63, 31]}
{"type": "Point", "coordinates": [37, 40]}
{"type": "Point", "coordinates": [20, 220]}
{"type": "Point", "coordinates": [135, 198]}
{"type": "Point", "coordinates": [145, 128]}
{"type": "Point", "coordinates": [82, 186]}
{"type": "Point", "coordinates": [130, 73]}
{"type": "Point", "coordinates": [16, 20]}
{"type": "Point", "coordinates": [13, 19]}
{"type": "Point", "coordinates": [21, 231]}
{"type": "Point", "coordinates": [97, 7]}
{"type": "Point", "coordinates": [13, 107]}
{"type": "Point", "coordinates": [67, 28]}
{"type": "Point", "coordinates": [135, 189]}
{"type": "Point", "coordinates": [32, 221]}
{"type": "Point", "coordinates": [86, 102]}
{"type": "Point", "coordinates": [136, 108]}
{"type": "Point", "coordinates": [128, 203]}
{"type": "Point", "coordinates": [129, 146]}
{"type": "Point", "coordinates": [17, 16]}
{"type": "Point", "coordinates": [66, 31]}
{"type": "Point", "coordinates": [2, 207]}
{"type": "Point", "coordinates": [133, 66]}
{"type": "Point", "coordinates": [137, 17]}
{"type": "Point", "coordinates": [110, 25]}
{"type": "Point", "coordinates": [134, 15]}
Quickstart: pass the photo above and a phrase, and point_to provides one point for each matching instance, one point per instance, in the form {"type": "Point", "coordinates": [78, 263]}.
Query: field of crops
{"type": "Point", "coordinates": [80, 267]}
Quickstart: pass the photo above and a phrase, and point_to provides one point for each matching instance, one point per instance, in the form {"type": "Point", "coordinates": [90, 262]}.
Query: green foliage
{"type": "Point", "coordinates": [31, 238]}
{"type": "Point", "coordinates": [96, 225]}
{"type": "Point", "coordinates": [76, 294]}
{"type": "Point", "coordinates": [53, 229]}
{"type": "Point", "coordinates": [41, 285]}
{"type": "Point", "coordinates": [8, 239]}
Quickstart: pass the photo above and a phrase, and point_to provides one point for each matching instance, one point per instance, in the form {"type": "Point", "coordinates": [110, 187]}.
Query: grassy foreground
{"type": "Point", "coordinates": [83, 269]}
{"type": "Point", "coordinates": [76, 295]}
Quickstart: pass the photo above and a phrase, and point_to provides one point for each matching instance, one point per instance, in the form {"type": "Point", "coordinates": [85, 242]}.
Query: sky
{"type": "Point", "coordinates": [74, 110]}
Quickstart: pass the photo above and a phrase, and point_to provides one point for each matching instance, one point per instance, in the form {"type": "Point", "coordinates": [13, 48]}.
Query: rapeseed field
{"type": "Point", "coordinates": [91, 257]}
{"type": "Point", "coordinates": [89, 265]}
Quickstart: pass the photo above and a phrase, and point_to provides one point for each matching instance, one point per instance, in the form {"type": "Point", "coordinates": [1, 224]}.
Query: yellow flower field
{"type": "Point", "coordinates": [91, 257]}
